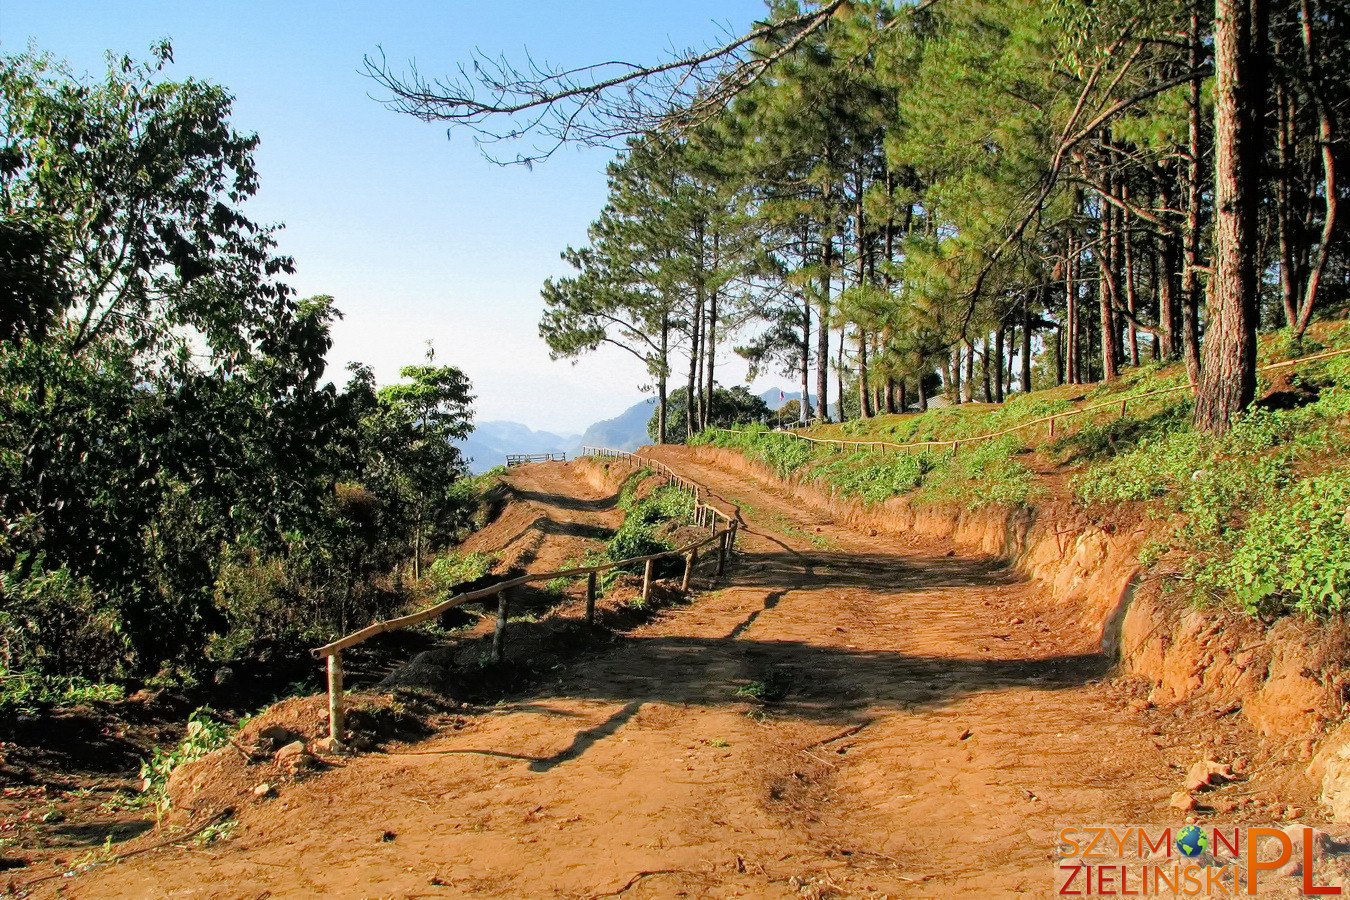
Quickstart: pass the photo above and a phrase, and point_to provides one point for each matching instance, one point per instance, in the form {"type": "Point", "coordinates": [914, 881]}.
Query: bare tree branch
{"type": "Point", "coordinates": [599, 104]}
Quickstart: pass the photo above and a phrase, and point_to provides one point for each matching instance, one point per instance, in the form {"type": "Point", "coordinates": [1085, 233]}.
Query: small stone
{"type": "Point", "coordinates": [1241, 765]}
{"type": "Point", "coordinates": [264, 790]}
{"type": "Point", "coordinates": [388, 837]}
{"type": "Point", "coordinates": [291, 750]}
{"type": "Point", "coordinates": [274, 736]}
{"type": "Point", "coordinates": [1016, 620]}
{"type": "Point", "coordinates": [295, 757]}
{"type": "Point", "coordinates": [965, 735]}
{"type": "Point", "coordinates": [1198, 778]}
{"type": "Point", "coordinates": [1183, 801]}
{"type": "Point", "coordinates": [330, 745]}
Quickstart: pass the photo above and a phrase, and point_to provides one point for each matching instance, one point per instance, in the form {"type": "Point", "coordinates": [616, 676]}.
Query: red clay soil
{"type": "Point", "coordinates": [847, 715]}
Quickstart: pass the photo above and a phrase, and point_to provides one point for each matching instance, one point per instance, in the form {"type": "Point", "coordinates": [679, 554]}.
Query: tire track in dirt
{"type": "Point", "coordinates": [646, 769]}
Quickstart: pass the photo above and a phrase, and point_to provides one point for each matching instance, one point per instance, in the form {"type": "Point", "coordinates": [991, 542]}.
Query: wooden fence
{"type": "Point", "coordinates": [722, 528]}
{"type": "Point", "coordinates": [1049, 421]}
{"type": "Point", "coordinates": [706, 513]}
{"type": "Point", "coordinates": [520, 459]}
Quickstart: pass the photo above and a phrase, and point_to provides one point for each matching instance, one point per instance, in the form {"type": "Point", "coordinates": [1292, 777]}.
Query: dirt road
{"type": "Point", "coordinates": [928, 728]}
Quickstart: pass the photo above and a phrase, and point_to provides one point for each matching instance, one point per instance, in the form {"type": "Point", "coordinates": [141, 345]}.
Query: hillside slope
{"type": "Point", "coordinates": [848, 715]}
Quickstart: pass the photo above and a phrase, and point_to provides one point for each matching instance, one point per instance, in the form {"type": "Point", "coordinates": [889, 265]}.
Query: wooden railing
{"type": "Point", "coordinates": [706, 513]}
{"type": "Point", "coordinates": [520, 459]}
{"type": "Point", "coordinates": [1122, 404]}
{"type": "Point", "coordinates": [723, 535]}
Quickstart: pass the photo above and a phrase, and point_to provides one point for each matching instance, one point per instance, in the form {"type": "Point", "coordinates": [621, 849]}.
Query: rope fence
{"type": "Point", "coordinates": [1050, 420]}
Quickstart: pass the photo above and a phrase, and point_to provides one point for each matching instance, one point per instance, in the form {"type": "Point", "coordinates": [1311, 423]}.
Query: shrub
{"type": "Point", "coordinates": [204, 734]}
{"type": "Point", "coordinates": [453, 569]}
{"type": "Point", "coordinates": [58, 623]}
{"type": "Point", "coordinates": [1293, 555]}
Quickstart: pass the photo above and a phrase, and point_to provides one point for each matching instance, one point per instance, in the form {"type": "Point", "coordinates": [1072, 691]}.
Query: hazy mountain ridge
{"type": "Point", "coordinates": [492, 441]}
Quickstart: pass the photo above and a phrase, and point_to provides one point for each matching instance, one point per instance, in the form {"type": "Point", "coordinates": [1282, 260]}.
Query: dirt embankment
{"type": "Point", "coordinates": [1288, 680]}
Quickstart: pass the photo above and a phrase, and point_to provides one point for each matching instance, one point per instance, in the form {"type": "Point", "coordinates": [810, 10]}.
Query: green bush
{"type": "Point", "coordinates": [53, 621]}
{"type": "Point", "coordinates": [875, 475]}
{"type": "Point", "coordinates": [638, 536]}
{"type": "Point", "coordinates": [204, 734]}
{"type": "Point", "coordinates": [984, 473]}
{"type": "Point", "coordinates": [1293, 555]}
{"type": "Point", "coordinates": [30, 690]}
{"type": "Point", "coordinates": [453, 569]}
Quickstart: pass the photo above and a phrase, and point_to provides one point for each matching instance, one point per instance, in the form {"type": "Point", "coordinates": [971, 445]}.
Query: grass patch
{"type": "Point", "coordinates": [1260, 516]}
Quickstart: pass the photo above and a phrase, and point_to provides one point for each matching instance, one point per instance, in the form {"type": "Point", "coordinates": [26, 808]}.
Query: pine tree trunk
{"type": "Point", "coordinates": [839, 375]}
{"type": "Point", "coordinates": [1168, 261]}
{"type": "Point", "coordinates": [822, 330]}
{"type": "Point", "coordinates": [1106, 288]}
{"type": "Point", "coordinates": [968, 388]}
{"type": "Point", "coordinates": [998, 364]}
{"type": "Point", "coordinates": [1190, 271]}
{"type": "Point", "coordinates": [1026, 342]}
{"type": "Point", "coordinates": [984, 371]}
{"type": "Point", "coordinates": [661, 380]}
{"type": "Point", "coordinates": [804, 408]}
{"type": "Point", "coordinates": [1228, 374]}
{"type": "Point", "coordinates": [691, 403]}
{"type": "Point", "coordinates": [1071, 311]}
{"type": "Point", "coordinates": [1325, 137]}
{"type": "Point", "coordinates": [864, 395]}
{"type": "Point", "coordinates": [1131, 299]}
{"type": "Point", "coordinates": [711, 353]}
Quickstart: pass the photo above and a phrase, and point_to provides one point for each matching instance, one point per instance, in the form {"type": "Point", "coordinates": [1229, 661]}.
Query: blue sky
{"type": "Point", "coordinates": [416, 236]}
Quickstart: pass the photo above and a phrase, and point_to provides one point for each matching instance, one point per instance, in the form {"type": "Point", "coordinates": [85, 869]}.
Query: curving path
{"type": "Point", "coordinates": [931, 731]}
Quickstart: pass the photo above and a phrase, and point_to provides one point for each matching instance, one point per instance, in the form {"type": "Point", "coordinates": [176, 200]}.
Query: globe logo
{"type": "Point", "coordinates": [1191, 841]}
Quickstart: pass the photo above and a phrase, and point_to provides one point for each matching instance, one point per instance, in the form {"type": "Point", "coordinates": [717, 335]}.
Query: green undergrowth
{"type": "Point", "coordinates": [987, 472]}
{"type": "Point", "coordinates": [1259, 518]}
{"type": "Point", "coordinates": [29, 691]}
{"type": "Point", "coordinates": [453, 569]}
{"type": "Point", "coordinates": [647, 524]}
{"type": "Point", "coordinates": [204, 734]}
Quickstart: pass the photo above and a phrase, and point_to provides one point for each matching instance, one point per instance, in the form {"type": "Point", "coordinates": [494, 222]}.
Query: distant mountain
{"type": "Point", "coordinates": [491, 441]}
{"type": "Point", "coordinates": [626, 431]}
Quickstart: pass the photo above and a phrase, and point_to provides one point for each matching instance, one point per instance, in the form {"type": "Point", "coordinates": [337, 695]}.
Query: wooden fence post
{"type": "Point", "coordinates": [1122, 408]}
{"type": "Point", "coordinates": [499, 635]}
{"type": "Point", "coordinates": [722, 553]}
{"type": "Point", "coordinates": [647, 579]}
{"type": "Point", "coordinates": [1052, 426]}
{"type": "Point", "coordinates": [336, 714]}
{"type": "Point", "coordinates": [590, 598]}
{"type": "Point", "coordinates": [731, 541]}
{"type": "Point", "coordinates": [689, 561]}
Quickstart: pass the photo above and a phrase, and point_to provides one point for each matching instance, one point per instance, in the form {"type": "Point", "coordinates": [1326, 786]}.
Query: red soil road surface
{"type": "Point", "coordinates": [936, 730]}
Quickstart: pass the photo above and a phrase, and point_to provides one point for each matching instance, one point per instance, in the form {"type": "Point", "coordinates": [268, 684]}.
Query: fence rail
{"type": "Point", "coordinates": [706, 514]}
{"type": "Point", "coordinates": [1050, 420]}
{"type": "Point", "coordinates": [520, 459]}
